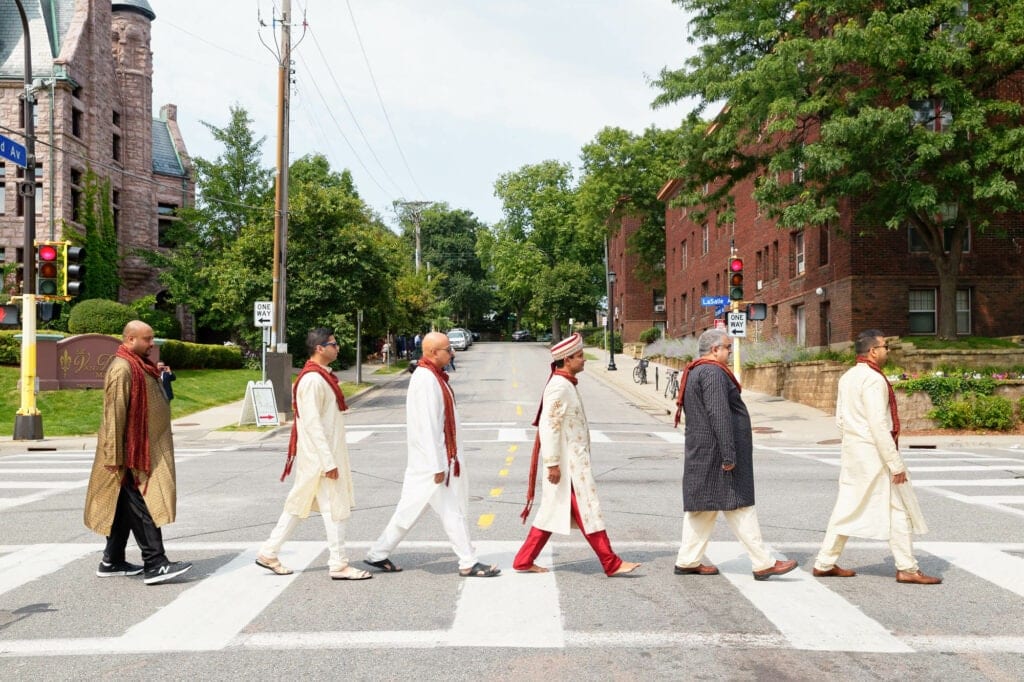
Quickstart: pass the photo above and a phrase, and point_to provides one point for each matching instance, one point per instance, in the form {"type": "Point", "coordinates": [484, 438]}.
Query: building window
{"type": "Point", "coordinates": [116, 119]}
{"type": "Point", "coordinates": [704, 239]}
{"type": "Point", "coordinates": [165, 218]}
{"type": "Point", "coordinates": [932, 114]}
{"type": "Point", "coordinates": [801, 325]}
{"type": "Point", "coordinates": [798, 261]}
{"type": "Point", "coordinates": [682, 255]}
{"type": "Point", "coordinates": [76, 195]}
{"type": "Point", "coordinates": [824, 237]}
{"type": "Point", "coordinates": [775, 259]}
{"type": "Point", "coordinates": [659, 301]}
{"type": "Point", "coordinates": [115, 209]}
{"type": "Point", "coordinates": [922, 311]}
{"type": "Point", "coordinates": [685, 305]}
{"type": "Point", "coordinates": [77, 117]}
{"type": "Point", "coordinates": [963, 312]}
{"type": "Point", "coordinates": [917, 244]}
{"type": "Point", "coordinates": [704, 288]}
{"type": "Point", "coordinates": [115, 148]}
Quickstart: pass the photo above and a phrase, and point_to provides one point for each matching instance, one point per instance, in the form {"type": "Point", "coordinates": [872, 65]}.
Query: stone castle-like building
{"type": "Point", "coordinates": [92, 73]}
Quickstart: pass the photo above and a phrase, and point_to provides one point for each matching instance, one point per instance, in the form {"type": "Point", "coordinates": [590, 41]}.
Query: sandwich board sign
{"type": "Point", "coordinates": [259, 406]}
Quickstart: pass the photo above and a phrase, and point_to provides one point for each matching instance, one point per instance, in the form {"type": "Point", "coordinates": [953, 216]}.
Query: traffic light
{"type": "Point", "coordinates": [74, 270]}
{"type": "Point", "coordinates": [736, 279]}
{"type": "Point", "coordinates": [47, 269]}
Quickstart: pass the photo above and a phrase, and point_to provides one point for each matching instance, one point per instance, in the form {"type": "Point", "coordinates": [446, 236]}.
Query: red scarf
{"type": "Point", "coordinates": [136, 432]}
{"type": "Point", "coordinates": [893, 410]}
{"type": "Point", "coordinates": [531, 486]}
{"type": "Point", "coordinates": [332, 381]}
{"type": "Point", "coordinates": [451, 443]}
{"type": "Point", "coordinates": [686, 375]}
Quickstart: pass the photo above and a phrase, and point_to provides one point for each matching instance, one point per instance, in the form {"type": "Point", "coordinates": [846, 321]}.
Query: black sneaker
{"type": "Point", "coordinates": [165, 572]}
{"type": "Point", "coordinates": [107, 570]}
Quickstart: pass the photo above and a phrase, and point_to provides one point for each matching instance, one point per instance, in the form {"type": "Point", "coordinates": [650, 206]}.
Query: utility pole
{"type": "Point", "coordinates": [415, 209]}
{"type": "Point", "coordinates": [28, 422]}
{"type": "Point", "coordinates": [278, 335]}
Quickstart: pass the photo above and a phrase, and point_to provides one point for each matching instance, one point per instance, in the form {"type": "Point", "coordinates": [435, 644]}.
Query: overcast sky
{"type": "Point", "coordinates": [472, 88]}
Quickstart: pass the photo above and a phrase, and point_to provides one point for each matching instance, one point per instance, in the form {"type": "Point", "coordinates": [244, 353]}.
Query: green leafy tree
{"type": "Point", "coordinates": [102, 260]}
{"type": "Point", "coordinates": [905, 112]}
{"type": "Point", "coordinates": [622, 175]}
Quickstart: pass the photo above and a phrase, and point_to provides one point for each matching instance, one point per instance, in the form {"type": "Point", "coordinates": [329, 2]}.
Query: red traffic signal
{"type": "Point", "coordinates": [736, 279]}
{"type": "Point", "coordinates": [47, 270]}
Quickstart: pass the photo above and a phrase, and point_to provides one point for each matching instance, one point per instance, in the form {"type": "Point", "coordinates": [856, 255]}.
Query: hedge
{"type": "Point", "coordinates": [185, 355]}
{"type": "Point", "coordinates": [100, 316]}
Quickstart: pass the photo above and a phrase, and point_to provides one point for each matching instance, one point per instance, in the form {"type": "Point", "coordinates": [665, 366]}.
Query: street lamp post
{"type": "Point", "coordinates": [611, 322]}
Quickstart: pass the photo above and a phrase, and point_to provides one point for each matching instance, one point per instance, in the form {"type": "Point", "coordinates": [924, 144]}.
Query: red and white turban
{"type": "Point", "coordinates": [567, 347]}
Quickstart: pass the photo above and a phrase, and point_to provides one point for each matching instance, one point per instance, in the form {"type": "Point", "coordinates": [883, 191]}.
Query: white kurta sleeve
{"type": "Point", "coordinates": [876, 407]}
{"type": "Point", "coordinates": [424, 411]}
{"type": "Point", "coordinates": [552, 441]}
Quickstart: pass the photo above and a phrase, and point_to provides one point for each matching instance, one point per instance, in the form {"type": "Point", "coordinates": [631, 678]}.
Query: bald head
{"type": "Point", "coordinates": [437, 349]}
{"type": "Point", "coordinates": [138, 337]}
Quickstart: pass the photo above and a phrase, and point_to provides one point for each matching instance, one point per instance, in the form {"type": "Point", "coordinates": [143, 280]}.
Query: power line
{"type": "Point", "coordinates": [380, 99]}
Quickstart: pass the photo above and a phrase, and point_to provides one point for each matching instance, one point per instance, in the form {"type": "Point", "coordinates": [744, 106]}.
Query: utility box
{"type": "Point", "coordinates": [279, 373]}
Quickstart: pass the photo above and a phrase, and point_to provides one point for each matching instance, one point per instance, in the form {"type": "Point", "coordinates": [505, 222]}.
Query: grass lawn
{"type": "Point", "coordinates": [77, 411]}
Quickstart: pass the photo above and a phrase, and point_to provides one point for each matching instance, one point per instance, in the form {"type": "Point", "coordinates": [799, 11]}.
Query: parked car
{"type": "Point", "coordinates": [459, 339]}
{"type": "Point", "coordinates": [469, 335]}
{"type": "Point", "coordinates": [521, 335]}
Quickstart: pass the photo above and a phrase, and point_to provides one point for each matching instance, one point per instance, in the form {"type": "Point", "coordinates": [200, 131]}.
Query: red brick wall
{"type": "Point", "coordinates": [634, 298]}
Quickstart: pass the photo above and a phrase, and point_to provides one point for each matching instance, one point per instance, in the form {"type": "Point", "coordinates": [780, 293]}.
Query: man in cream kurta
{"type": "Point", "coordinates": [323, 476]}
{"type": "Point", "coordinates": [876, 499]}
{"type": "Point", "coordinates": [434, 475]}
{"type": "Point", "coordinates": [569, 491]}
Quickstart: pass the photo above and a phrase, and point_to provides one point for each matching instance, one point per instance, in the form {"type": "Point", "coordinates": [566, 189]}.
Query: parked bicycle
{"type": "Point", "coordinates": [672, 384]}
{"type": "Point", "coordinates": [640, 371]}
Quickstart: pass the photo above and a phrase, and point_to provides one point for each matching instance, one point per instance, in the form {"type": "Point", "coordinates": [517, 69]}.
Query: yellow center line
{"type": "Point", "coordinates": [519, 410]}
{"type": "Point", "coordinates": [496, 492]}
{"type": "Point", "coordinates": [503, 472]}
{"type": "Point", "coordinates": [515, 384]}
{"type": "Point", "coordinates": [509, 459]}
{"type": "Point", "coordinates": [485, 520]}
{"type": "Point", "coordinates": [513, 447]}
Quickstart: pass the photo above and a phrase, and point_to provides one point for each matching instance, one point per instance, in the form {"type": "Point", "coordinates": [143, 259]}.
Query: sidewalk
{"type": "Point", "coordinates": [204, 425]}
{"type": "Point", "coordinates": [772, 417]}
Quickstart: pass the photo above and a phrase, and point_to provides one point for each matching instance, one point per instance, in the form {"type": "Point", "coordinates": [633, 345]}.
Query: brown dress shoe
{"type": "Point", "coordinates": [917, 578]}
{"type": "Point", "coordinates": [780, 568]}
{"type": "Point", "coordinates": [697, 570]}
{"type": "Point", "coordinates": [834, 572]}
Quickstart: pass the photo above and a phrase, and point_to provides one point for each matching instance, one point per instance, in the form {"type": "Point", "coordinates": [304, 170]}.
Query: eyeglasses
{"type": "Point", "coordinates": [448, 350]}
{"type": "Point", "coordinates": [884, 345]}
{"type": "Point", "coordinates": [329, 343]}
{"type": "Point", "coordinates": [727, 346]}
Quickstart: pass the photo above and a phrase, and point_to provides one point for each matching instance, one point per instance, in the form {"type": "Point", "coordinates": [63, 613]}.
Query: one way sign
{"type": "Point", "coordinates": [263, 313]}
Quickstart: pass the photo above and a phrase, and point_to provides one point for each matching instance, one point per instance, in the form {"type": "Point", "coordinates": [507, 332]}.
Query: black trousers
{"type": "Point", "coordinates": [133, 516]}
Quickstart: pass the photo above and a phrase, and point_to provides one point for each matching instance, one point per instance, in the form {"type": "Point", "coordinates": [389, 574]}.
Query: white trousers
{"type": "Point", "coordinates": [900, 542]}
{"type": "Point", "coordinates": [450, 504]}
{"type": "Point", "coordinates": [697, 528]}
{"type": "Point", "coordinates": [286, 525]}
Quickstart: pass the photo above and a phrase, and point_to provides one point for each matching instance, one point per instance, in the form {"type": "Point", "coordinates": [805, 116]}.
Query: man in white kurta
{"type": "Point", "coordinates": [323, 476]}
{"type": "Point", "coordinates": [434, 475]}
{"type": "Point", "coordinates": [876, 499]}
{"type": "Point", "coordinates": [569, 491]}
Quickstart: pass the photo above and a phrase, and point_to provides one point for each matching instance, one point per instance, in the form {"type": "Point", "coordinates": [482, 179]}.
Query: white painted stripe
{"type": "Point", "coordinates": [998, 499]}
{"type": "Point", "coordinates": [977, 500]}
{"type": "Point", "coordinates": [35, 561]}
{"type": "Point", "coordinates": [5, 462]}
{"type": "Point", "coordinates": [599, 437]}
{"type": "Point", "coordinates": [953, 467]}
{"type": "Point", "coordinates": [356, 436]}
{"type": "Point", "coordinates": [363, 639]}
{"type": "Point", "coordinates": [12, 502]}
{"type": "Point", "coordinates": [805, 611]}
{"type": "Point", "coordinates": [32, 485]}
{"type": "Point", "coordinates": [976, 483]}
{"type": "Point", "coordinates": [512, 610]}
{"type": "Point", "coordinates": [374, 427]}
{"type": "Point", "coordinates": [690, 640]}
{"type": "Point", "coordinates": [966, 644]}
{"type": "Point", "coordinates": [44, 470]}
{"type": "Point", "coordinates": [208, 616]}
{"type": "Point", "coordinates": [513, 436]}
{"type": "Point", "coordinates": [488, 423]}
{"type": "Point", "coordinates": [999, 568]}
{"type": "Point", "coordinates": [674, 437]}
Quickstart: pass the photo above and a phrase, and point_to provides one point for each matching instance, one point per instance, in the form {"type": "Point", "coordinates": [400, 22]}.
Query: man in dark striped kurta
{"type": "Point", "coordinates": [718, 473]}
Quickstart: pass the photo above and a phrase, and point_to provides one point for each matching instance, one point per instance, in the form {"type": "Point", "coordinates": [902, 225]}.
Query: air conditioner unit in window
{"type": "Point", "coordinates": [659, 307]}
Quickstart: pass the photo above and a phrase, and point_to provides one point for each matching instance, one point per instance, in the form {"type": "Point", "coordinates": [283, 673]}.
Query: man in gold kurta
{"type": "Point", "coordinates": [323, 476]}
{"type": "Point", "coordinates": [132, 484]}
{"type": "Point", "coordinates": [876, 499]}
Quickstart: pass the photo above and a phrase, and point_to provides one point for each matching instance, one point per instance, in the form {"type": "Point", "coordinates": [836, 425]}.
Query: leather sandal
{"type": "Point", "coordinates": [273, 565]}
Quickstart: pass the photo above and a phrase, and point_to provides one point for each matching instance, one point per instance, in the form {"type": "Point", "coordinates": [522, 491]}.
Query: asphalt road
{"type": "Point", "coordinates": [231, 620]}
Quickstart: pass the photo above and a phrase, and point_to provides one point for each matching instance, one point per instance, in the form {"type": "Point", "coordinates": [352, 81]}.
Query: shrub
{"type": "Point", "coordinates": [164, 324]}
{"type": "Point", "coordinates": [99, 316]}
{"type": "Point", "coordinates": [650, 335]}
{"type": "Point", "coordinates": [596, 338]}
{"type": "Point", "coordinates": [952, 414]}
{"type": "Point", "coordinates": [184, 355]}
{"type": "Point", "coordinates": [973, 411]}
{"type": "Point", "coordinates": [10, 348]}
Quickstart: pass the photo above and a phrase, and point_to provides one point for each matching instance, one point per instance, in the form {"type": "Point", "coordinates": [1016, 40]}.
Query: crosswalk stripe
{"type": "Point", "coordinates": [43, 470]}
{"type": "Point", "coordinates": [228, 600]}
{"type": "Point", "coordinates": [26, 564]}
{"type": "Point", "coordinates": [356, 436]}
{"type": "Point", "coordinates": [806, 612]}
{"type": "Point", "coordinates": [33, 485]}
{"type": "Point", "coordinates": [513, 435]}
{"type": "Point", "coordinates": [968, 482]}
{"type": "Point", "coordinates": [599, 437]}
{"type": "Point", "coordinates": [670, 436]}
{"type": "Point", "coordinates": [995, 566]}
{"type": "Point", "coordinates": [513, 610]}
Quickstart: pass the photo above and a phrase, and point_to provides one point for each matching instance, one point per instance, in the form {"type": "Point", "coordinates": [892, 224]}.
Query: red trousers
{"type": "Point", "coordinates": [535, 541]}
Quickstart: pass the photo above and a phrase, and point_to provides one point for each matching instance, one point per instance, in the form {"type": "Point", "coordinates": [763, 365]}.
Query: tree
{"type": "Point", "coordinates": [622, 175]}
{"type": "Point", "coordinates": [906, 112]}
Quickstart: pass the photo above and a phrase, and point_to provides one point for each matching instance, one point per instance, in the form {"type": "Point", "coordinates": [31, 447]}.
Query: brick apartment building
{"type": "Point", "coordinates": [823, 286]}
{"type": "Point", "coordinates": [638, 305]}
{"type": "Point", "coordinates": [93, 70]}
